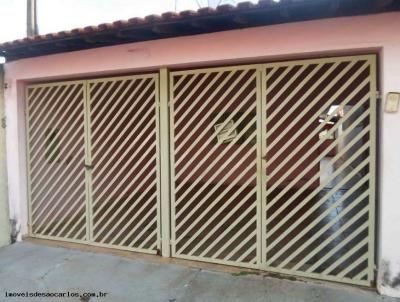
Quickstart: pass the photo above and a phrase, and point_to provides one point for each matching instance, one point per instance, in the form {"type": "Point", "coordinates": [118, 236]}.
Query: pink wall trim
{"type": "Point", "coordinates": [374, 33]}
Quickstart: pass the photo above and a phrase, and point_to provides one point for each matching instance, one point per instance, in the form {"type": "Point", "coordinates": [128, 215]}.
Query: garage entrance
{"type": "Point", "coordinates": [272, 166]}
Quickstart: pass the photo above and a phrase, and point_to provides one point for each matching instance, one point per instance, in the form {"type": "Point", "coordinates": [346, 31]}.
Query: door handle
{"type": "Point", "coordinates": [89, 167]}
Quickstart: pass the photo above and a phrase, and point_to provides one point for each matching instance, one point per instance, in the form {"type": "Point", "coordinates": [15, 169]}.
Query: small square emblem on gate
{"type": "Point", "coordinates": [225, 131]}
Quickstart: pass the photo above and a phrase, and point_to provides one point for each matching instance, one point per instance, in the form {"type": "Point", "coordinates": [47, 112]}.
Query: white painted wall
{"type": "Point", "coordinates": [364, 34]}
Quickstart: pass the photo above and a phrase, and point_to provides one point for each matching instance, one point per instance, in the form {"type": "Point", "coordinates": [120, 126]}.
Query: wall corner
{"type": "Point", "coordinates": [4, 207]}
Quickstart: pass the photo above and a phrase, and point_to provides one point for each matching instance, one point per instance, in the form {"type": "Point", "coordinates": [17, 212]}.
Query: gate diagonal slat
{"type": "Point", "coordinates": [197, 125]}
{"type": "Point", "coordinates": [52, 187]}
{"type": "Point", "coordinates": [209, 181]}
{"type": "Point", "coordinates": [214, 203]}
{"type": "Point", "coordinates": [322, 230]}
{"type": "Point", "coordinates": [67, 224]}
{"type": "Point", "coordinates": [121, 103]}
{"type": "Point", "coordinates": [36, 145]}
{"type": "Point", "coordinates": [124, 158]}
{"type": "Point", "coordinates": [64, 200]}
{"type": "Point", "coordinates": [66, 127]}
{"type": "Point", "coordinates": [138, 133]}
{"type": "Point", "coordinates": [338, 202]}
{"type": "Point", "coordinates": [226, 217]}
{"type": "Point", "coordinates": [52, 162]}
{"type": "Point", "coordinates": [38, 111]}
{"type": "Point", "coordinates": [219, 252]}
{"type": "Point", "coordinates": [311, 150]}
{"type": "Point", "coordinates": [212, 178]}
{"type": "Point", "coordinates": [215, 159]}
{"type": "Point", "coordinates": [214, 214]}
{"type": "Point", "coordinates": [309, 106]}
{"type": "Point", "coordinates": [138, 123]}
{"type": "Point", "coordinates": [318, 146]}
{"type": "Point", "coordinates": [31, 93]}
{"type": "Point", "coordinates": [125, 190]}
{"type": "Point", "coordinates": [109, 219]}
{"type": "Point", "coordinates": [333, 161]}
{"type": "Point", "coordinates": [132, 218]}
{"type": "Point", "coordinates": [52, 108]}
{"type": "Point", "coordinates": [209, 140]}
{"type": "Point", "coordinates": [61, 129]}
{"type": "Point", "coordinates": [315, 191]}
{"type": "Point", "coordinates": [229, 228]}
{"type": "Point", "coordinates": [56, 176]}
{"type": "Point", "coordinates": [353, 235]}
{"type": "Point", "coordinates": [53, 181]}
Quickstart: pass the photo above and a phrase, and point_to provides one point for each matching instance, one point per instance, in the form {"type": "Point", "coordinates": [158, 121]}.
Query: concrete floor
{"type": "Point", "coordinates": [29, 267]}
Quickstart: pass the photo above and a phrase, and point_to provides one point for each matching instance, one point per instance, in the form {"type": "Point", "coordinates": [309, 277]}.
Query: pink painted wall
{"type": "Point", "coordinates": [375, 33]}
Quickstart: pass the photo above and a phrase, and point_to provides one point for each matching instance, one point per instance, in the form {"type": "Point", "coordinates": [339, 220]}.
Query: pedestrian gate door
{"type": "Point", "coordinates": [272, 166]}
{"type": "Point", "coordinates": [93, 161]}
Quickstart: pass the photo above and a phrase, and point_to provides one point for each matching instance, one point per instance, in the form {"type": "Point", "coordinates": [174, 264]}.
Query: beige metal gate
{"type": "Point", "coordinates": [216, 188]}
{"type": "Point", "coordinates": [56, 152]}
{"type": "Point", "coordinates": [308, 127]}
{"type": "Point", "coordinates": [124, 148]}
{"type": "Point", "coordinates": [319, 145]}
{"type": "Point", "coordinates": [93, 161]}
{"type": "Point", "coordinates": [272, 165]}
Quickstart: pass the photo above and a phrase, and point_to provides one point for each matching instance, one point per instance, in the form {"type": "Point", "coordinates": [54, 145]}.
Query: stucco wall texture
{"type": "Point", "coordinates": [350, 35]}
{"type": "Point", "coordinates": [4, 219]}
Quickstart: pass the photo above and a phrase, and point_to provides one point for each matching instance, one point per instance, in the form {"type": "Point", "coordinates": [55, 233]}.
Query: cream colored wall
{"type": "Point", "coordinates": [363, 34]}
{"type": "Point", "coordinates": [4, 215]}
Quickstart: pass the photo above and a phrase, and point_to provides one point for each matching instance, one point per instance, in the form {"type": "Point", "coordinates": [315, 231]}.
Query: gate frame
{"type": "Point", "coordinates": [372, 198]}
{"type": "Point", "coordinates": [165, 163]}
{"type": "Point", "coordinates": [261, 165]}
{"type": "Point", "coordinates": [259, 202]}
{"type": "Point", "coordinates": [87, 160]}
{"type": "Point", "coordinates": [28, 162]}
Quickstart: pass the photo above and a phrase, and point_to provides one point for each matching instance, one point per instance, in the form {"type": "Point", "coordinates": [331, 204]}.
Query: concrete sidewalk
{"type": "Point", "coordinates": [29, 267]}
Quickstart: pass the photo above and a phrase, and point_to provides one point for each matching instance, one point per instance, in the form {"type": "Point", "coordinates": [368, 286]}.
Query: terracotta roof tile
{"type": "Point", "coordinates": [256, 14]}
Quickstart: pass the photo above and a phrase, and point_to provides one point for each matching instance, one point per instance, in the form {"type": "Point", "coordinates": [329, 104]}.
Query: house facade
{"type": "Point", "coordinates": [263, 147]}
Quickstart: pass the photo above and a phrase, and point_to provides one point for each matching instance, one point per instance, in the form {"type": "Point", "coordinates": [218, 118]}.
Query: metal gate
{"type": "Point", "coordinates": [215, 145]}
{"type": "Point", "coordinates": [124, 148]}
{"type": "Point", "coordinates": [319, 140]}
{"type": "Point", "coordinates": [56, 149]}
{"type": "Point", "coordinates": [93, 162]}
{"type": "Point", "coordinates": [273, 166]}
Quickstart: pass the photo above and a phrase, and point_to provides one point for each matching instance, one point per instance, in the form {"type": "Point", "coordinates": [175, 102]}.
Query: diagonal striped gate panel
{"type": "Point", "coordinates": [56, 154]}
{"type": "Point", "coordinates": [272, 165]}
{"type": "Point", "coordinates": [214, 145]}
{"type": "Point", "coordinates": [124, 148]}
{"type": "Point", "coordinates": [320, 168]}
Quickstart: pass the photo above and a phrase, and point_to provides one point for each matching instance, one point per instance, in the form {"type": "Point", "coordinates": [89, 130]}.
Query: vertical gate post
{"type": "Point", "coordinates": [164, 164]}
{"type": "Point", "coordinates": [88, 162]}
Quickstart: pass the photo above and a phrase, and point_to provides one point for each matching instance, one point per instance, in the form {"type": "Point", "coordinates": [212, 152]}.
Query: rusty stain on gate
{"type": "Point", "coordinates": [271, 166]}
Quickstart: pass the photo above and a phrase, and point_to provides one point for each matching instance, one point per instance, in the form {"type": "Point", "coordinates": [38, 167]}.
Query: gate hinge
{"type": "Point", "coordinates": [378, 95]}
{"type": "Point", "coordinates": [3, 123]}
